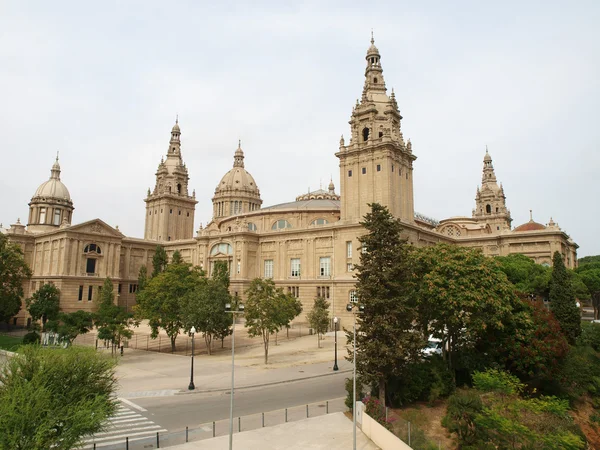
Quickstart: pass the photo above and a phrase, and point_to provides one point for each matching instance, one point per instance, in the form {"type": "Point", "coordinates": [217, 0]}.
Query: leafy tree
{"type": "Point", "coordinates": [463, 297]}
{"type": "Point", "coordinates": [160, 261]}
{"type": "Point", "coordinates": [386, 342]}
{"type": "Point", "coordinates": [55, 398]}
{"type": "Point", "coordinates": [204, 309]}
{"type": "Point", "coordinates": [161, 301]}
{"type": "Point", "coordinates": [562, 300]}
{"type": "Point", "coordinates": [142, 278]}
{"type": "Point", "coordinates": [177, 259]}
{"type": "Point", "coordinates": [70, 325]}
{"type": "Point", "coordinates": [533, 347]}
{"type": "Point", "coordinates": [589, 273]}
{"type": "Point", "coordinates": [527, 276]}
{"type": "Point", "coordinates": [318, 317]}
{"type": "Point", "coordinates": [112, 321]}
{"type": "Point", "coordinates": [44, 304]}
{"type": "Point", "coordinates": [220, 273]}
{"type": "Point", "coordinates": [13, 272]}
{"type": "Point", "coordinates": [267, 310]}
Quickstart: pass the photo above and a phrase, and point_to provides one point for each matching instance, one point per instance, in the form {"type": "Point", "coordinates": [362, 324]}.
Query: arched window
{"type": "Point", "coordinates": [365, 133]}
{"type": "Point", "coordinates": [251, 226]}
{"type": "Point", "coordinates": [319, 221]}
{"type": "Point", "coordinates": [488, 209]}
{"type": "Point", "coordinates": [222, 248]}
{"type": "Point", "coordinates": [179, 188]}
{"type": "Point", "coordinates": [92, 248]}
{"type": "Point", "coordinates": [280, 224]}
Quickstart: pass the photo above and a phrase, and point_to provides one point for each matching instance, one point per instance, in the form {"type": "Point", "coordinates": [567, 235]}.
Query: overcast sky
{"type": "Point", "coordinates": [102, 83]}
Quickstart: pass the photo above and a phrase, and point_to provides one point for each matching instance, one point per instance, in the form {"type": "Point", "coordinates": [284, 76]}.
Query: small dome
{"type": "Point", "coordinates": [53, 188]}
{"type": "Point", "coordinates": [530, 226]}
{"type": "Point", "coordinates": [487, 156]}
{"type": "Point", "coordinates": [237, 178]}
{"type": "Point", "coordinates": [175, 128]}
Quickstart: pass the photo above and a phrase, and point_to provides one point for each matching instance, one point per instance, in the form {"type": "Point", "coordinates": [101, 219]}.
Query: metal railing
{"type": "Point", "coordinates": [219, 428]}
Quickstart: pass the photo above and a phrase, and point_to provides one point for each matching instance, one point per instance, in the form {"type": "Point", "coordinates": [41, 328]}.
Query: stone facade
{"type": "Point", "coordinates": [308, 246]}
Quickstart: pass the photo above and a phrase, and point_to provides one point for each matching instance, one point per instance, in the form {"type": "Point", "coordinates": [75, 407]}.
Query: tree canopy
{"type": "Point", "coordinates": [160, 260]}
{"type": "Point", "coordinates": [268, 310]}
{"type": "Point", "coordinates": [318, 317]}
{"type": "Point", "coordinates": [44, 304]}
{"type": "Point", "coordinates": [112, 321]}
{"type": "Point", "coordinates": [161, 300]}
{"type": "Point", "coordinates": [55, 398]}
{"type": "Point", "coordinates": [387, 341]}
{"type": "Point", "coordinates": [13, 272]}
{"type": "Point", "coordinates": [562, 300]}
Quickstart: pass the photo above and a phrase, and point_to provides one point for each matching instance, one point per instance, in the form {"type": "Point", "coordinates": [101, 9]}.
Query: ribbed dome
{"type": "Point", "coordinates": [237, 178]}
{"type": "Point", "coordinates": [53, 188]}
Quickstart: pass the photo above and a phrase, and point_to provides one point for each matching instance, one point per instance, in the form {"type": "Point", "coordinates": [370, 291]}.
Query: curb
{"type": "Point", "coordinates": [7, 353]}
{"type": "Point", "coordinates": [273, 383]}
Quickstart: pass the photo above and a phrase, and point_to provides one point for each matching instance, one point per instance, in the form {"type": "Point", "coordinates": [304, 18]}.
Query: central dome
{"type": "Point", "coordinates": [53, 188]}
{"type": "Point", "coordinates": [237, 178]}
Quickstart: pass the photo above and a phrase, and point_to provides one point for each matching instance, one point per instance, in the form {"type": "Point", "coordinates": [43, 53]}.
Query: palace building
{"type": "Point", "coordinates": [308, 246]}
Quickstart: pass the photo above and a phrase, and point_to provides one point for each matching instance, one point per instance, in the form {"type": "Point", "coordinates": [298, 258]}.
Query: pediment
{"type": "Point", "coordinates": [98, 227]}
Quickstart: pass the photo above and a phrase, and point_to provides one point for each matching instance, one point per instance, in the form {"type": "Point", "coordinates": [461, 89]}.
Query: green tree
{"type": "Point", "coordinates": [220, 273]}
{"type": "Point", "coordinates": [463, 297]}
{"type": "Point", "coordinates": [177, 259]}
{"type": "Point", "coordinates": [160, 261]}
{"type": "Point", "coordinates": [204, 309]}
{"type": "Point", "coordinates": [386, 342]}
{"type": "Point", "coordinates": [44, 304]}
{"type": "Point", "coordinates": [161, 301]}
{"type": "Point", "coordinates": [55, 398]}
{"type": "Point", "coordinates": [13, 272]}
{"type": "Point", "coordinates": [562, 300]}
{"type": "Point", "coordinates": [527, 276]}
{"type": "Point", "coordinates": [267, 310]}
{"type": "Point", "coordinates": [142, 278]}
{"type": "Point", "coordinates": [70, 325]}
{"type": "Point", "coordinates": [318, 318]}
{"type": "Point", "coordinates": [589, 273]}
{"type": "Point", "coordinates": [112, 321]}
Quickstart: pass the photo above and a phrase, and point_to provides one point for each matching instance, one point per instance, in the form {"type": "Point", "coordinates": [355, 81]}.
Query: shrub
{"type": "Point", "coordinates": [349, 387]}
{"type": "Point", "coordinates": [31, 338]}
{"type": "Point", "coordinates": [377, 412]}
{"type": "Point", "coordinates": [426, 380]}
{"type": "Point", "coordinates": [580, 374]}
{"type": "Point", "coordinates": [463, 408]}
{"type": "Point", "coordinates": [590, 335]}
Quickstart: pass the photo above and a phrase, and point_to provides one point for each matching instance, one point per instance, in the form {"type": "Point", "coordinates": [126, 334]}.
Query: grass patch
{"type": "Point", "coordinates": [10, 343]}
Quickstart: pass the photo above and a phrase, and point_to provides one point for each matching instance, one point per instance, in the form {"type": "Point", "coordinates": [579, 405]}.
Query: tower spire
{"type": "Point", "coordinates": [238, 157]}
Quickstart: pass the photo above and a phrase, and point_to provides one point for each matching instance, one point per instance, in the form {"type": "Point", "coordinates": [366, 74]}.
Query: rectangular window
{"type": "Point", "coordinates": [318, 291]}
{"type": "Point", "coordinates": [349, 173]}
{"type": "Point", "coordinates": [133, 288]}
{"type": "Point", "coordinates": [42, 215]}
{"type": "Point", "coordinates": [324, 266]}
{"type": "Point", "coordinates": [353, 297]}
{"type": "Point", "coordinates": [392, 167]}
{"type": "Point", "coordinates": [90, 266]}
{"type": "Point", "coordinates": [327, 292]}
{"type": "Point", "coordinates": [364, 170]}
{"type": "Point", "coordinates": [349, 249]}
{"type": "Point", "coordinates": [119, 289]}
{"type": "Point", "coordinates": [80, 296]}
{"type": "Point", "coordinates": [239, 267]}
{"type": "Point", "coordinates": [57, 217]}
{"type": "Point", "coordinates": [295, 267]}
{"type": "Point", "coordinates": [90, 292]}
{"type": "Point", "coordinates": [378, 167]}
{"type": "Point", "coordinates": [349, 267]}
{"type": "Point", "coordinates": [268, 268]}
{"type": "Point", "coordinates": [294, 291]}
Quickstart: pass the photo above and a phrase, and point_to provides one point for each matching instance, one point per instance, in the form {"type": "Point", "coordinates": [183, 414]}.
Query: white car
{"type": "Point", "coordinates": [433, 347]}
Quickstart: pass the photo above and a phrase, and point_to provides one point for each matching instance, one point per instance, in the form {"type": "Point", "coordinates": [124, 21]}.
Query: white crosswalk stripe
{"type": "Point", "coordinates": [125, 423]}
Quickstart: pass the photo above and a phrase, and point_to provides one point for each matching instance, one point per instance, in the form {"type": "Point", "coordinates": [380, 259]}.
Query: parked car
{"type": "Point", "coordinates": [433, 347]}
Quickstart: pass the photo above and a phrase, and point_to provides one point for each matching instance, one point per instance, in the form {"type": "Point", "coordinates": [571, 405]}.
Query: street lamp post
{"type": "Point", "coordinates": [335, 326]}
{"type": "Point", "coordinates": [191, 387]}
{"type": "Point", "coordinates": [240, 310]}
{"type": "Point", "coordinates": [350, 308]}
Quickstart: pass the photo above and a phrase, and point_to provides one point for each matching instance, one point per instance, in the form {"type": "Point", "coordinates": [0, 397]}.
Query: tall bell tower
{"type": "Point", "coordinates": [169, 207]}
{"type": "Point", "coordinates": [377, 164]}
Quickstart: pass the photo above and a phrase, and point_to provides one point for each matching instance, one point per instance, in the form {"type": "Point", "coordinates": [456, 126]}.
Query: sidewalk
{"type": "Point", "coordinates": [143, 373]}
{"type": "Point", "coordinates": [330, 432]}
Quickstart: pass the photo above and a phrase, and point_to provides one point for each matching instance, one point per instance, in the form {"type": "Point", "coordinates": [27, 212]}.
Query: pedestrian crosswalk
{"type": "Point", "coordinates": [126, 423]}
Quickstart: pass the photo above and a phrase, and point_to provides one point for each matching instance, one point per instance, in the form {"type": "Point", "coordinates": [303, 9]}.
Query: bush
{"type": "Point", "coordinates": [426, 380]}
{"type": "Point", "coordinates": [463, 408]}
{"type": "Point", "coordinates": [348, 384]}
{"type": "Point", "coordinates": [580, 374]}
{"type": "Point", "coordinates": [377, 412]}
{"type": "Point", "coordinates": [590, 335]}
{"type": "Point", "coordinates": [31, 338]}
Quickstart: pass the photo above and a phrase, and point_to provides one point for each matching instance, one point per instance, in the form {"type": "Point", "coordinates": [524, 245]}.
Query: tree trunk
{"type": "Point", "coordinates": [173, 343]}
{"type": "Point", "coordinates": [318, 340]}
{"type": "Point", "coordinates": [266, 343]}
{"type": "Point", "coordinates": [276, 338]}
{"type": "Point", "coordinates": [222, 341]}
{"type": "Point", "coordinates": [208, 340]}
{"type": "Point", "coordinates": [381, 391]}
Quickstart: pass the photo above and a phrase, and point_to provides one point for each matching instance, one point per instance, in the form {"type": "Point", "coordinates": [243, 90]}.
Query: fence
{"type": "Point", "coordinates": [410, 433]}
{"type": "Point", "coordinates": [220, 428]}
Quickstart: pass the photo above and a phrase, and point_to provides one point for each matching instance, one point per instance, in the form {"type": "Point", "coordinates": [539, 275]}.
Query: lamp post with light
{"type": "Point", "coordinates": [240, 310]}
{"type": "Point", "coordinates": [335, 327]}
{"type": "Point", "coordinates": [350, 307]}
{"type": "Point", "coordinates": [191, 387]}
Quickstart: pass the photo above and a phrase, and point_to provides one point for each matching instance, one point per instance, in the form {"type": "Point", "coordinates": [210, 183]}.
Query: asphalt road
{"type": "Point", "coordinates": [178, 411]}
